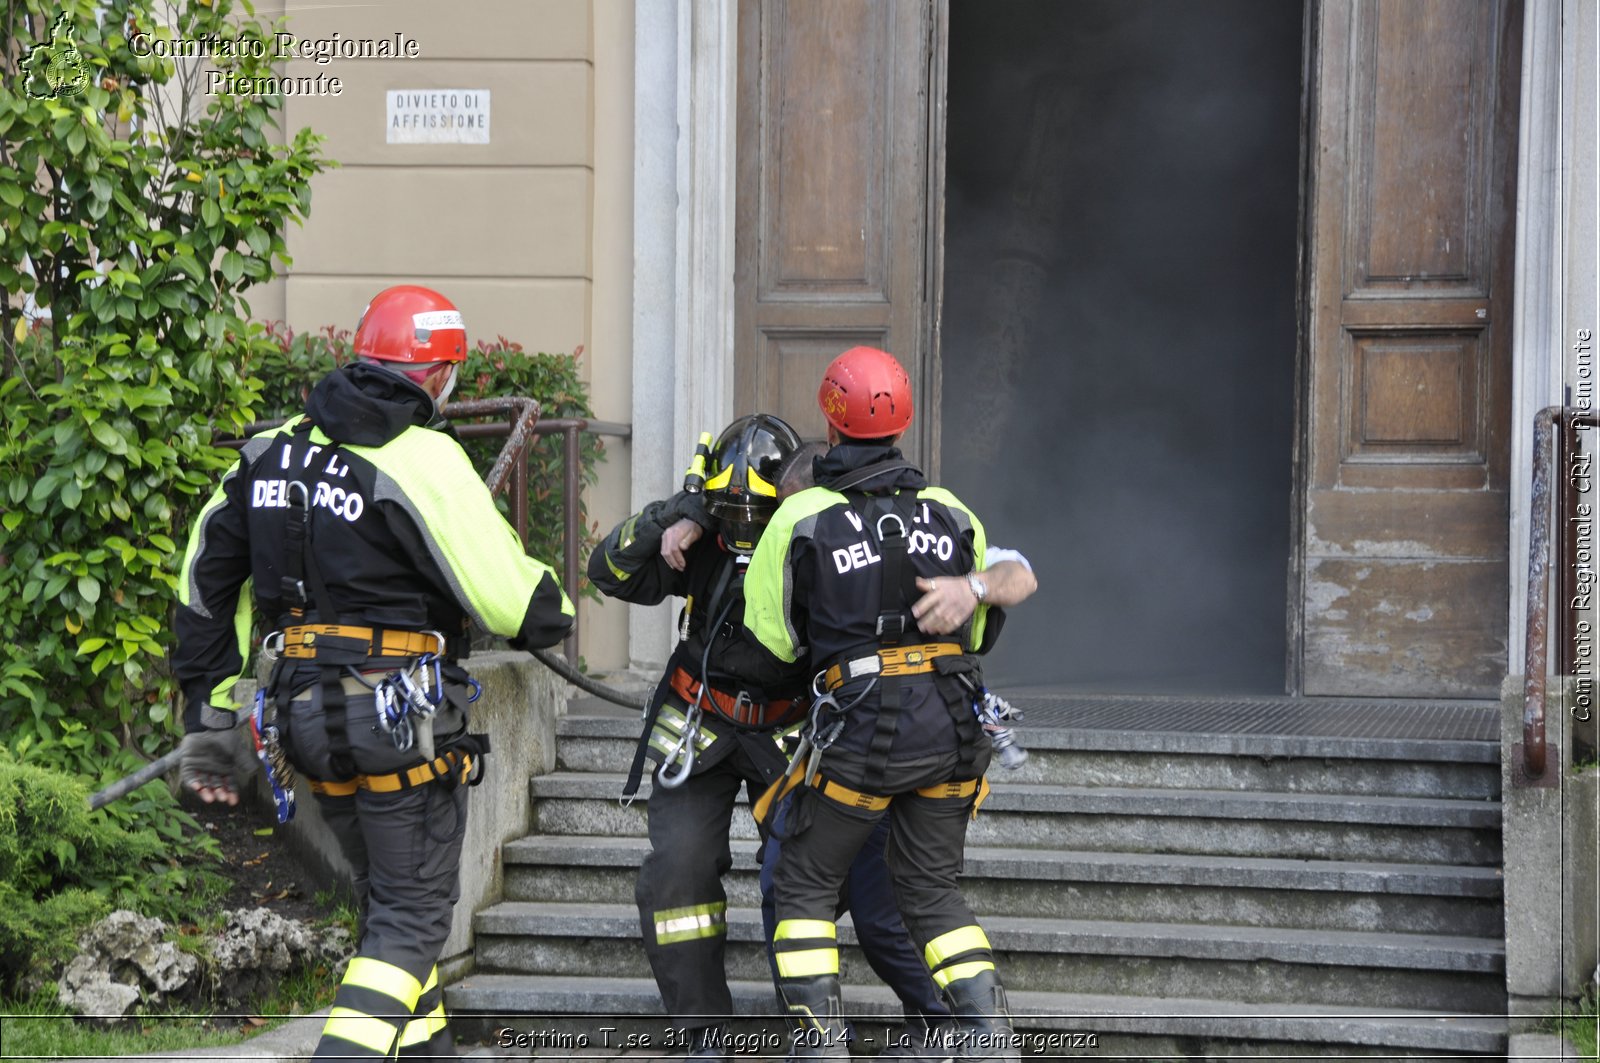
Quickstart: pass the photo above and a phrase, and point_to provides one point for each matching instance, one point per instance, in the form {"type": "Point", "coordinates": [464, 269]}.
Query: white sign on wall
{"type": "Point", "coordinates": [438, 116]}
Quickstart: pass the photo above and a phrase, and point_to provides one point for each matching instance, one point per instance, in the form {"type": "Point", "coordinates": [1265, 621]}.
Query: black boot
{"type": "Point", "coordinates": [983, 1021]}
{"type": "Point", "coordinates": [816, 1015]}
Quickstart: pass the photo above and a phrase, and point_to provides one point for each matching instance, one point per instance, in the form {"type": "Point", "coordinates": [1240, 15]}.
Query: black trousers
{"type": "Point", "coordinates": [926, 839]}
{"type": "Point", "coordinates": [682, 905]}
{"type": "Point", "coordinates": [405, 850]}
{"type": "Point", "coordinates": [869, 897]}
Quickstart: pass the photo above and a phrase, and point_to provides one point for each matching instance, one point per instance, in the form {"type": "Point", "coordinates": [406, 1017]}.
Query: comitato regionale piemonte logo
{"type": "Point", "coordinates": [55, 69]}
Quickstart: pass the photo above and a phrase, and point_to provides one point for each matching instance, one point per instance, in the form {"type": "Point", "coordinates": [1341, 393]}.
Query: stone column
{"type": "Point", "coordinates": [685, 78]}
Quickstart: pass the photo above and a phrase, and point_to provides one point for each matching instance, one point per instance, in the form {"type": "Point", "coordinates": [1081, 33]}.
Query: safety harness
{"type": "Point", "coordinates": [885, 666]}
{"type": "Point", "coordinates": [340, 650]}
{"type": "Point", "coordinates": [678, 736]}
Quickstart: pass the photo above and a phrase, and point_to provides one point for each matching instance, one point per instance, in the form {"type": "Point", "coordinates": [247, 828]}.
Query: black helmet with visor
{"type": "Point", "coordinates": [741, 489]}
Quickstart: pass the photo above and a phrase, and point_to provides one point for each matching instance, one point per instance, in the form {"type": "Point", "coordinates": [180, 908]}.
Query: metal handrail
{"type": "Point", "coordinates": [1535, 756]}
{"type": "Point", "coordinates": [571, 526]}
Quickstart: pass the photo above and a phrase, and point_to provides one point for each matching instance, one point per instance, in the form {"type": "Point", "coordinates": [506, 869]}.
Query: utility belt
{"type": "Point", "coordinates": [454, 767]}
{"type": "Point", "coordinates": [741, 708]}
{"type": "Point", "coordinates": [350, 644]}
{"type": "Point", "coordinates": [889, 661]}
{"type": "Point", "coordinates": [357, 703]}
{"type": "Point", "coordinates": [841, 794]}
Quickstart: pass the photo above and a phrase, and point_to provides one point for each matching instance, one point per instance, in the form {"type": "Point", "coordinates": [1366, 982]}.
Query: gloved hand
{"type": "Point", "coordinates": [214, 760]}
{"type": "Point", "coordinates": [686, 506]}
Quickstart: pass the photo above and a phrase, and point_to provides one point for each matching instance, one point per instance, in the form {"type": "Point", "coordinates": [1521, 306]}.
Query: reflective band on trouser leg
{"type": "Point", "coordinates": [957, 971]}
{"type": "Point", "coordinates": [418, 1036]}
{"type": "Point", "coordinates": [375, 1000]}
{"type": "Point", "coordinates": [947, 946]}
{"type": "Point", "coordinates": [959, 954]}
{"type": "Point", "coordinates": [691, 923]}
{"type": "Point", "coordinates": [805, 948]}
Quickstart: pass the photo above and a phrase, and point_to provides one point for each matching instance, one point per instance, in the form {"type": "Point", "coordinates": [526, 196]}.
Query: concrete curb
{"type": "Point", "coordinates": [1540, 1046]}
{"type": "Point", "coordinates": [292, 1042]}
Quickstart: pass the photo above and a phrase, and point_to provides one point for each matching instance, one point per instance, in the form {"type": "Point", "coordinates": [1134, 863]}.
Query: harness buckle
{"type": "Point", "coordinates": [894, 517]}
{"type": "Point", "coordinates": [268, 650]}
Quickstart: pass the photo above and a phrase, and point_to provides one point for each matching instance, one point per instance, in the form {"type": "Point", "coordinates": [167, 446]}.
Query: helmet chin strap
{"type": "Point", "coordinates": [450, 385]}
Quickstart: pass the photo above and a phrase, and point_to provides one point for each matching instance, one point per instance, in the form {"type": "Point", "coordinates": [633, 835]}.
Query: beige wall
{"type": "Point", "coordinates": [530, 234]}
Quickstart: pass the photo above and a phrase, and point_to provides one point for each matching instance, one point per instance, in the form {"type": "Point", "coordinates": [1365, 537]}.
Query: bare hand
{"type": "Point", "coordinates": [946, 603]}
{"type": "Point", "coordinates": [676, 540]}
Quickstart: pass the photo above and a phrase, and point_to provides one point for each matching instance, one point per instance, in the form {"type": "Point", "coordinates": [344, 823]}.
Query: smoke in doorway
{"type": "Point", "coordinates": [1119, 329]}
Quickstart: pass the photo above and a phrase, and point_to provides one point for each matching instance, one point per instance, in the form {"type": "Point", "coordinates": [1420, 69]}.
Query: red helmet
{"type": "Point", "coordinates": [866, 394]}
{"type": "Point", "coordinates": [411, 324]}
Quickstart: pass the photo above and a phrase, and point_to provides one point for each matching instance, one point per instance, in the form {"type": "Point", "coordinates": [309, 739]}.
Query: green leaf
{"type": "Point", "coordinates": [89, 588]}
{"type": "Point", "coordinates": [76, 140]}
{"type": "Point", "coordinates": [90, 645]}
{"type": "Point", "coordinates": [108, 437]}
{"type": "Point", "coordinates": [232, 267]}
{"type": "Point", "coordinates": [71, 495]}
{"type": "Point", "coordinates": [161, 542]}
{"type": "Point", "coordinates": [11, 194]}
{"type": "Point", "coordinates": [210, 213]}
{"type": "Point", "coordinates": [11, 520]}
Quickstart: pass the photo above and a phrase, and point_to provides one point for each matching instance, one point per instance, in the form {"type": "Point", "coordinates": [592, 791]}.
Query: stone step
{"type": "Point", "coordinates": [1066, 955]}
{"type": "Point", "coordinates": [1415, 768]}
{"type": "Point", "coordinates": [1334, 895]}
{"type": "Point", "coordinates": [560, 1010]}
{"type": "Point", "coordinates": [1121, 819]}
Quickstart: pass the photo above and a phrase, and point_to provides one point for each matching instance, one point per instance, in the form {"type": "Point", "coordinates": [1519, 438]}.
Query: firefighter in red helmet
{"type": "Point", "coordinates": [372, 544]}
{"type": "Point", "coordinates": [833, 583]}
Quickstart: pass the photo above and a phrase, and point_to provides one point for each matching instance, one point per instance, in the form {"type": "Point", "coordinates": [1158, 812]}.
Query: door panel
{"type": "Point", "coordinates": [1411, 220]}
{"type": "Point", "coordinates": [832, 198]}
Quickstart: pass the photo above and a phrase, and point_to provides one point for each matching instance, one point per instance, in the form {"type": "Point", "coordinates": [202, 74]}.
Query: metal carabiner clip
{"type": "Point", "coordinates": [269, 650]}
{"type": "Point", "coordinates": [679, 762]}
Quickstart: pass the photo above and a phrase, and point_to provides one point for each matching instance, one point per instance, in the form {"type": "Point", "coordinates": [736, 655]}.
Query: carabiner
{"type": "Point", "coordinates": [268, 650]}
{"type": "Point", "coordinates": [672, 777]}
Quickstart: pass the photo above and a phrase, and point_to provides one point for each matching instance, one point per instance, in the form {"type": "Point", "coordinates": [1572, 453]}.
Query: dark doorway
{"type": "Point", "coordinates": [1119, 332]}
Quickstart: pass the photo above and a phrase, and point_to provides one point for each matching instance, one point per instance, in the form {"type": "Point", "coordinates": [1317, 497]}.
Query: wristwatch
{"type": "Point", "coordinates": [980, 589]}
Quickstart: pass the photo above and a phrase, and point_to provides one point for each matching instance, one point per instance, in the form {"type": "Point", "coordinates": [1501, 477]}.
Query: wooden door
{"type": "Point", "coordinates": [833, 200]}
{"type": "Point", "coordinates": [1412, 164]}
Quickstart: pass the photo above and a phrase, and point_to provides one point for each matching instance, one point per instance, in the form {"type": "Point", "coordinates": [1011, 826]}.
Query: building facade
{"type": "Point", "coordinates": [1234, 316]}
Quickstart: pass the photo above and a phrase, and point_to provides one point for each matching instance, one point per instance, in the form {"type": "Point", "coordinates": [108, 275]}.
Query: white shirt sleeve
{"type": "Point", "coordinates": [996, 554]}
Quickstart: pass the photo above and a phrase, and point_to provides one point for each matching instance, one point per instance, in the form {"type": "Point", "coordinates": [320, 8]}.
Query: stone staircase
{"type": "Point", "coordinates": [1171, 890]}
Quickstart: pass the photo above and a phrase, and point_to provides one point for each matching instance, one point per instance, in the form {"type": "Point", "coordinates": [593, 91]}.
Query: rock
{"type": "Point", "coordinates": [257, 948]}
{"type": "Point", "coordinates": [121, 960]}
{"type": "Point", "coordinates": [86, 987]}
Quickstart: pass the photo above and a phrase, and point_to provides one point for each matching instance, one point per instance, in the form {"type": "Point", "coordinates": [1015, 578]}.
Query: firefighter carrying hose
{"type": "Point", "coordinates": [370, 543]}
{"type": "Point", "coordinates": [832, 585]}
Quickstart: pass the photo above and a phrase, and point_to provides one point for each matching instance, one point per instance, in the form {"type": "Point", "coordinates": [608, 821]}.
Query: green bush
{"type": "Point", "coordinates": [134, 210]}
{"type": "Point", "coordinates": [67, 866]}
{"type": "Point", "coordinates": [495, 369]}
